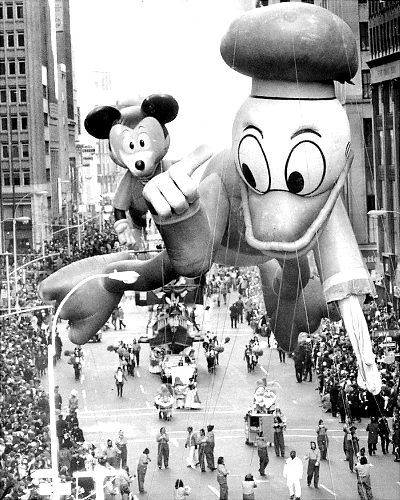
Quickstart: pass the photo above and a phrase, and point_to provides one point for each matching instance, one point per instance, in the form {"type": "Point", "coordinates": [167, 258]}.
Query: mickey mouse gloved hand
{"type": "Point", "coordinates": [125, 232]}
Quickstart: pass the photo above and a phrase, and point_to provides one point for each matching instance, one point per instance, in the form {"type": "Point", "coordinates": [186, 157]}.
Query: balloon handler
{"type": "Point", "coordinates": [269, 200]}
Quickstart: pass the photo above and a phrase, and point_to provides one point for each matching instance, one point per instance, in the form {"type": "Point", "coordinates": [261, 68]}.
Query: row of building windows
{"type": "Point", "coordinates": [385, 37]}
{"type": "Point", "coordinates": [14, 95]}
{"type": "Point", "coordinates": [13, 122]}
{"type": "Point", "coordinates": [20, 178]}
{"type": "Point", "coordinates": [12, 40]}
{"type": "Point", "coordinates": [366, 83]}
{"type": "Point", "coordinates": [12, 67]}
{"type": "Point", "coordinates": [12, 11]}
{"type": "Point", "coordinates": [17, 150]}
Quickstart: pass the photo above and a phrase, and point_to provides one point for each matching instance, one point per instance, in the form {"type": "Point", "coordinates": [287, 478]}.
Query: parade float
{"type": "Point", "coordinates": [259, 417]}
{"type": "Point", "coordinates": [268, 201]}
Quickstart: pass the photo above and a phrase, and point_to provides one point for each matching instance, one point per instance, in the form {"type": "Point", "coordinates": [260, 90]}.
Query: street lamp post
{"type": "Point", "coordinates": [124, 276]}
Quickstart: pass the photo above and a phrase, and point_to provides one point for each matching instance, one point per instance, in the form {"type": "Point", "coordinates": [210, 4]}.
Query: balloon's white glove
{"type": "Point", "coordinates": [173, 194]}
{"type": "Point", "coordinates": [124, 232]}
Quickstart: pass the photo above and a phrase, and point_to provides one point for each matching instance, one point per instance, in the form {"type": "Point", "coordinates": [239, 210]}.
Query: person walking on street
{"type": "Point", "coordinates": [58, 346]}
{"type": "Point", "coordinates": [57, 398]}
{"type": "Point", "coordinates": [119, 377]}
{"type": "Point", "coordinates": [201, 445]}
{"type": "Point", "coordinates": [282, 355]}
{"type": "Point", "coordinates": [279, 441]}
{"type": "Point", "coordinates": [363, 470]}
{"type": "Point", "coordinates": [293, 473]}
{"type": "Point", "coordinates": [210, 445]}
{"type": "Point", "coordinates": [144, 460]}
{"type": "Point", "coordinates": [191, 444]}
{"type": "Point", "coordinates": [313, 456]}
{"type": "Point", "coordinates": [240, 308]}
{"type": "Point", "coordinates": [163, 448]}
{"type": "Point", "coordinates": [248, 487]}
{"type": "Point", "coordinates": [136, 350]}
{"type": "Point", "coordinates": [120, 317]}
{"type": "Point", "coordinates": [113, 455]}
{"type": "Point", "coordinates": [384, 433]}
{"type": "Point", "coordinates": [372, 429]}
{"type": "Point", "coordinates": [122, 444]}
{"type": "Point", "coordinates": [350, 444]}
{"type": "Point", "coordinates": [322, 439]}
{"type": "Point", "coordinates": [222, 478]}
{"type": "Point", "coordinates": [234, 315]}
{"type": "Point", "coordinates": [262, 450]}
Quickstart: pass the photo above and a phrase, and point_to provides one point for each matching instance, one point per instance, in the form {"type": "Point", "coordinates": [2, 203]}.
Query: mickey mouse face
{"type": "Point", "coordinates": [139, 149]}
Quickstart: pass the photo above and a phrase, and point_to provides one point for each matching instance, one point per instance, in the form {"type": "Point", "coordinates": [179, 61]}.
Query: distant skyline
{"type": "Point", "coordinates": [166, 46]}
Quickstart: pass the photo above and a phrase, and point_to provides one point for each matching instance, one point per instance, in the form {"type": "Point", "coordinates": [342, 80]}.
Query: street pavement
{"type": "Point", "coordinates": [225, 398]}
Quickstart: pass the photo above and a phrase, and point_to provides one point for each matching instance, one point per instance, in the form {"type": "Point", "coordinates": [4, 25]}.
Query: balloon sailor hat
{"type": "Point", "coordinates": [292, 50]}
{"type": "Point", "coordinates": [291, 137]}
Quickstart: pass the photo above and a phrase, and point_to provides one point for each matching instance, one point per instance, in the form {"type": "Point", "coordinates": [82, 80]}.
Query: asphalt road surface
{"type": "Point", "coordinates": [225, 398]}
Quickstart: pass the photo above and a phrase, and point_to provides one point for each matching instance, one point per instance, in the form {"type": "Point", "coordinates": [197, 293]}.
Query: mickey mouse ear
{"type": "Point", "coordinates": [163, 107]}
{"type": "Point", "coordinates": [99, 121]}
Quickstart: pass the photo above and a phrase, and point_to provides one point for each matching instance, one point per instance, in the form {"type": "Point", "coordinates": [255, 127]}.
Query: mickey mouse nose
{"type": "Point", "coordinates": [140, 165]}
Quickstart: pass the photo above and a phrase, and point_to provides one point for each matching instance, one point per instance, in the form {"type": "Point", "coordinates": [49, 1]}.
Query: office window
{"type": "Point", "coordinates": [17, 179]}
{"type": "Point", "coordinates": [6, 178]}
{"type": "Point", "coordinates": [4, 151]}
{"type": "Point", "coordinates": [364, 36]}
{"type": "Point", "coordinates": [22, 95]}
{"type": "Point", "coordinates": [27, 177]}
{"type": "Point", "coordinates": [24, 123]}
{"type": "Point", "coordinates": [45, 91]}
{"type": "Point", "coordinates": [21, 40]}
{"type": "Point", "coordinates": [1, 12]}
{"type": "Point", "coordinates": [47, 147]}
{"type": "Point", "coordinates": [9, 11]}
{"type": "Point", "coordinates": [307, 1]}
{"type": "Point", "coordinates": [13, 95]}
{"type": "Point", "coordinates": [366, 83]}
{"type": "Point", "coordinates": [21, 66]}
{"type": "Point", "coordinates": [10, 40]}
{"type": "Point", "coordinates": [367, 126]}
{"type": "Point", "coordinates": [3, 95]}
{"type": "Point", "coordinates": [24, 150]}
{"type": "Point", "coordinates": [46, 119]}
{"type": "Point", "coordinates": [2, 68]}
{"type": "Point", "coordinates": [14, 123]}
{"type": "Point", "coordinates": [4, 123]}
{"type": "Point", "coordinates": [20, 11]}
{"type": "Point", "coordinates": [1, 40]}
{"type": "Point", "coordinates": [11, 67]}
{"type": "Point", "coordinates": [14, 151]}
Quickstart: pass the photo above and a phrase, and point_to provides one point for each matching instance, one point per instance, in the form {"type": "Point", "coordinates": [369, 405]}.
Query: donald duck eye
{"type": "Point", "coordinates": [131, 145]}
{"type": "Point", "coordinates": [305, 168]}
{"type": "Point", "coordinates": [253, 164]}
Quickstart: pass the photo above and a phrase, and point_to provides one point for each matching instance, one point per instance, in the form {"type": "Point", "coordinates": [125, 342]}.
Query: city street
{"type": "Point", "coordinates": [225, 398]}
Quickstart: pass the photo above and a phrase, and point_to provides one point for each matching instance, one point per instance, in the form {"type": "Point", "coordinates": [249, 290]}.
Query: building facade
{"type": "Point", "coordinates": [37, 125]}
{"type": "Point", "coordinates": [384, 64]}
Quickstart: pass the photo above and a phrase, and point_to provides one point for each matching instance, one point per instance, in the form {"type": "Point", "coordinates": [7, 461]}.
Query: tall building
{"type": "Point", "coordinates": [384, 64]}
{"type": "Point", "coordinates": [105, 173]}
{"type": "Point", "coordinates": [36, 117]}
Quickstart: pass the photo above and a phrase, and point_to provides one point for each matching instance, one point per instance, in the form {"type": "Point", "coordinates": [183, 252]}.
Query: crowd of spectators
{"type": "Point", "coordinates": [336, 368]}
{"type": "Point", "coordinates": [24, 405]}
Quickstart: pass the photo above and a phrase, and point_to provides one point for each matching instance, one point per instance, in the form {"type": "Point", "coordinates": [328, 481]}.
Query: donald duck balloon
{"type": "Point", "coordinates": [269, 200]}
